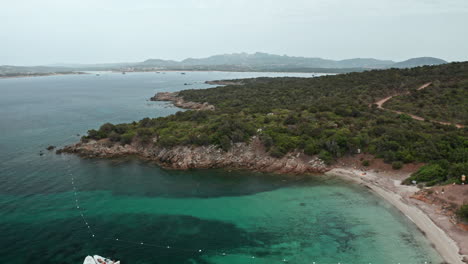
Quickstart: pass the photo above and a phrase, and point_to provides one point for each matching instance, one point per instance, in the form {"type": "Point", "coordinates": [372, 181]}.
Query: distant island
{"type": "Point", "coordinates": [239, 62]}
{"type": "Point", "coordinates": [18, 72]}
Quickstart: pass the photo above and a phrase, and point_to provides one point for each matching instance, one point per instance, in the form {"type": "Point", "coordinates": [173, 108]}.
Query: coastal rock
{"type": "Point", "coordinates": [50, 147]}
{"type": "Point", "coordinates": [179, 101]}
{"type": "Point", "coordinates": [241, 156]}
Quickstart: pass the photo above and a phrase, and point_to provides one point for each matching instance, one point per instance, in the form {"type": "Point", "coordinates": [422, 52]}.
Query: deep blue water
{"type": "Point", "coordinates": [231, 216]}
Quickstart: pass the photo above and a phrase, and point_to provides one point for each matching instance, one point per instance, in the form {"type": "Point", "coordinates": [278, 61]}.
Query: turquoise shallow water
{"type": "Point", "coordinates": [232, 217]}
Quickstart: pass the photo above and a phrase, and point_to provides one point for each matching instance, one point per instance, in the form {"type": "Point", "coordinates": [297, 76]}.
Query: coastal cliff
{"type": "Point", "coordinates": [180, 102]}
{"type": "Point", "coordinates": [250, 156]}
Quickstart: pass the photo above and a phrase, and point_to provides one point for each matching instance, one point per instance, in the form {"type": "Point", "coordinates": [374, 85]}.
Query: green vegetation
{"type": "Point", "coordinates": [396, 165]}
{"type": "Point", "coordinates": [441, 171]}
{"type": "Point", "coordinates": [462, 212]}
{"type": "Point", "coordinates": [327, 116]}
{"type": "Point", "coordinates": [447, 101]}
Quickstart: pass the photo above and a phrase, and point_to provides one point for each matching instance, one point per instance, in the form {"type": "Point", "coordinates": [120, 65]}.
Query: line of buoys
{"type": "Point", "coordinates": [137, 243]}
{"type": "Point", "coordinates": [77, 204]}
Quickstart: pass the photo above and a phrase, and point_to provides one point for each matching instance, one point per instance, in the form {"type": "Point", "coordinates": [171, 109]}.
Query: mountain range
{"type": "Point", "coordinates": [258, 61]}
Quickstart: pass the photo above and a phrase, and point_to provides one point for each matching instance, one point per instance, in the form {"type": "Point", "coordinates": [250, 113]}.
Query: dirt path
{"type": "Point", "coordinates": [382, 101]}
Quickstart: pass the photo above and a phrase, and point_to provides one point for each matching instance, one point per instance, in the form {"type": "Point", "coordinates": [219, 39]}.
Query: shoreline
{"type": "Point", "coordinates": [241, 156]}
{"type": "Point", "coordinates": [440, 231]}
{"type": "Point", "coordinates": [181, 70]}
{"type": "Point", "coordinates": [178, 101]}
{"type": "Point", "coordinates": [399, 196]}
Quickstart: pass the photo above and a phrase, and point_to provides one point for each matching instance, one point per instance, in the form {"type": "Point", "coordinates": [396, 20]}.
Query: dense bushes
{"type": "Point", "coordinates": [462, 212]}
{"type": "Point", "coordinates": [327, 116]}
{"type": "Point", "coordinates": [439, 171]}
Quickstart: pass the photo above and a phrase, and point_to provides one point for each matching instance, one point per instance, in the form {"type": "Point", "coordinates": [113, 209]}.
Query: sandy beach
{"type": "Point", "coordinates": [450, 242]}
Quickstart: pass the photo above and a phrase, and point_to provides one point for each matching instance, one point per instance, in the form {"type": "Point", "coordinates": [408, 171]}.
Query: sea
{"type": "Point", "coordinates": [61, 208]}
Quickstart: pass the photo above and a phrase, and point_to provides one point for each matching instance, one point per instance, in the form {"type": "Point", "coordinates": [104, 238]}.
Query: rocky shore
{"type": "Point", "coordinates": [180, 102]}
{"type": "Point", "coordinates": [250, 156]}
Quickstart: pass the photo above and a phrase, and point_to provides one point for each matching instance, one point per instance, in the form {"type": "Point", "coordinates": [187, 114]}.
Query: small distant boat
{"type": "Point", "coordinates": [97, 74]}
{"type": "Point", "coordinates": [182, 73]}
{"type": "Point", "coordinates": [123, 72]}
{"type": "Point", "coordinates": [99, 260]}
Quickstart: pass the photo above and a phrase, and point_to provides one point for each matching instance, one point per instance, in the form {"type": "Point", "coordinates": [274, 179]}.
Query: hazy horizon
{"type": "Point", "coordinates": [87, 32]}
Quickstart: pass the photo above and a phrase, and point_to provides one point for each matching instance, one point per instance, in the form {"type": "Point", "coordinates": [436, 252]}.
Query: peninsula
{"type": "Point", "coordinates": [315, 125]}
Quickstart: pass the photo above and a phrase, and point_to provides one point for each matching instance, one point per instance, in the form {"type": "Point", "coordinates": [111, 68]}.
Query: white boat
{"type": "Point", "coordinates": [89, 260]}
{"type": "Point", "coordinates": [99, 260]}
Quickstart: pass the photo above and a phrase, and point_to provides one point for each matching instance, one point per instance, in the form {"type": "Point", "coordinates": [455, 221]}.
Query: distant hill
{"type": "Point", "coordinates": [270, 60]}
{"type": "Point", "coordinates": [258, 61]}
{"type": "Point", "coordinates": [416, 62]}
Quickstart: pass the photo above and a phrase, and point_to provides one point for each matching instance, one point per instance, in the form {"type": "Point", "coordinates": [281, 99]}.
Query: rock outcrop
{"type": "Point", "coordinates": [180, 102]}
{"type": "Point", "coordinates": [250, 156]}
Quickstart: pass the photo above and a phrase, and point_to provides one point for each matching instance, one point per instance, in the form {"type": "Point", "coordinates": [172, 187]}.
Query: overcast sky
{"type": "Point", "coordinates": [34, 32]}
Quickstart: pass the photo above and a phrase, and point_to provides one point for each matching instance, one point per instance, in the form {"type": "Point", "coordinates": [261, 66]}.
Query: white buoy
{"type": "Point", "coordinates": [199, 250]}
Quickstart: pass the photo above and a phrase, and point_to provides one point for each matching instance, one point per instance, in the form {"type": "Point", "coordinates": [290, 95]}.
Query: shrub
{"type": "Point", "coordinates": [144, 134]}
{"type": "Point", "coordinates": [276, 153]}
{"type": "Point", "coordinates": [167, 141]}
{"type": "Point", "coordinates": [326, 156]}
{"type": "Point", "coordinates": [396, 165]}
{"type": "Point", "coordinates": [94, 134]}
{"type": "Point", "coordinates": [225, 143]}
{"type": "Point", "coordinates": [114, 137]}
{"type": "Point", "coordinates": [127, 138]}
{"type": "Point", "coordinates": [365, 163]}
{"type": "Point", "coordinates": [427, 173]}
{"type": "Point", "coordinates": [107, 128]}
{"type": "Point", "coordinates": [267, 141]}
{"type": "Point", "coordinates": [311, 148]}
{"type": "Point", "coordinates": [462, 212]}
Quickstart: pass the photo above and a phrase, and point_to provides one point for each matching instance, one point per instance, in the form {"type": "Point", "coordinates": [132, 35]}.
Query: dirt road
{"type": "Point", "coordinates": [382, 101]}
